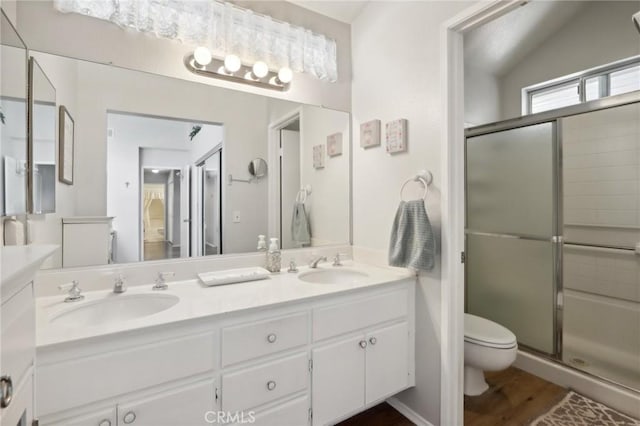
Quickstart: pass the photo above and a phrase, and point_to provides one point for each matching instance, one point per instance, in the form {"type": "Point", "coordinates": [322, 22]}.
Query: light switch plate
{"type": "Point", "coordinates": [236, 217]}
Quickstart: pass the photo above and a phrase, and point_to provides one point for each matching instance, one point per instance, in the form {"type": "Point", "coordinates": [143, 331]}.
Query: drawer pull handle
{"type": "Point", "coordinates": [363, 344]}
{"type": "Point", "coordinates": [105, 422]}
{"type": "Point", "coordinates": [271, 385]}
{"type": "Point", "coordinates": [129, 418]}
{"type": "Point", "coordinates": [272, 338]}
{"type": "Point", "coordinates": [6, 391]}
{"type": "Point", "coordinates": [373, 340]}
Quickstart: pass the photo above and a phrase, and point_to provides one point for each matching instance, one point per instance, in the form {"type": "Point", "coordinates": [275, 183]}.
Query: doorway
{"type": "Point", "coordinates": [161, 211]}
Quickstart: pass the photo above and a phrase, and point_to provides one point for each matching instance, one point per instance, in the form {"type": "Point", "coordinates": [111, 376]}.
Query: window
{"type": "Point", "coordinates": [608, 80]}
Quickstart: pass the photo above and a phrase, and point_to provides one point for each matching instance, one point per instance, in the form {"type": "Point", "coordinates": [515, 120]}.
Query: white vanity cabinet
{"type": "Point", "coordinates": [354, 372]}
{"type": "Point", "coordinates": [308, 362]}
{"type": "Point", "coordinates": [17, 354]}
{"type": "Point", "coordinates": [18, 332]}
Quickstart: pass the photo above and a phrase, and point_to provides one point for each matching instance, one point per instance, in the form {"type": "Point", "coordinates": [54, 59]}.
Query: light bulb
{"type": "Point", "coordinates": [285, 75]}
{"type": "Point", "coordinates": [232, 63]}
{"type": "Point", "coordinates": [202, 55]}
{"type": "Point", "coordinates": [260, 69]}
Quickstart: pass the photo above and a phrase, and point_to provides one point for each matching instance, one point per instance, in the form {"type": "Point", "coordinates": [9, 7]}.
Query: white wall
{"type": "Point", "coordinates": [47, 30]}
{"type": "Point", "coordinates": [481, 96]}
{"type": "Point", "coordinates": [599, 34]}
{"type": "Point", "coordinates": [396, 74]}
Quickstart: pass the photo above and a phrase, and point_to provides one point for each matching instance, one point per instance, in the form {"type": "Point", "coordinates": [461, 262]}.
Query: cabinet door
{"type": "Point", "coordinates": [187, 405]}
{"type": "Point", "coordinates": [106, 417]}
{"type": "Point", "coordinates": [338, 380]}
{"type": "Point", "coordinates": [387, 366]}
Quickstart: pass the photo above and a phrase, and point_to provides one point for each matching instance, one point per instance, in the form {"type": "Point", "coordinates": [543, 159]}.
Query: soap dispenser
{"type": "Point", "coordinates": [262, 244]}
{"type": "Point", "coordinates": [273, 256]}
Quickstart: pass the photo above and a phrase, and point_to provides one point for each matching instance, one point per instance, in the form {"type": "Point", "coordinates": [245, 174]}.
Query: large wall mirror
{"type": "Point", "coordinates": [166, 168]}
{"type": "Point", "coordinates": [13, 121]}
{"type": "Point", "coordinates": [42, 141]}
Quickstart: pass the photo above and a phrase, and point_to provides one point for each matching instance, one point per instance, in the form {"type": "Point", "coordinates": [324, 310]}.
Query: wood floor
{"type": "Point", "coordinates": [380, 415]}
{"type": "Point", "coordinates": [514, 398]}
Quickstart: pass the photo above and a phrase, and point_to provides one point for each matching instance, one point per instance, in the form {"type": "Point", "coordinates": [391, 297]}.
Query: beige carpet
{"type": "Point", "coordinates": [577, 410]}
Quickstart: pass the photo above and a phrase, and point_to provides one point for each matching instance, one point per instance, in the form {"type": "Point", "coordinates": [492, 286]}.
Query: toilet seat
{"type": "Point", "coordinates": [481, 331]}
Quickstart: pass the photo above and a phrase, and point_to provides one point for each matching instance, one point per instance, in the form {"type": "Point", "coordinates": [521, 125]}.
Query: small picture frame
{"type": "Point", "coordinates": [396, 136]}
{"type": "Point", "coordinates": [334, 144]}
{"type": "Point", "coordinates": [370, 134]}
{"type": "Point", "coordinates": [318, 157]}
{"type": "Point", "coordinates": [66, 148]}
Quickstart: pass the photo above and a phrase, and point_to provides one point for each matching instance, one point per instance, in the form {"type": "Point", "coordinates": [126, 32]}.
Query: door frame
{"type": "Point", "coordinates": [453, 204]}
{"type": "Point", "coordinates": [273, 159]}
{"type": "Point", "coordinates": [201, 176]}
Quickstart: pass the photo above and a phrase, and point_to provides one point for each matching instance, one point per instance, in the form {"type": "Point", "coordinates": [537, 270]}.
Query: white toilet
{"type": "Point", "coordinates": [488, 346]}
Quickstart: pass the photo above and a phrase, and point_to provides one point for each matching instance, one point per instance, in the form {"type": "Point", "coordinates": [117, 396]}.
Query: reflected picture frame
{"type": "Point", "coordinates": [66, 146]}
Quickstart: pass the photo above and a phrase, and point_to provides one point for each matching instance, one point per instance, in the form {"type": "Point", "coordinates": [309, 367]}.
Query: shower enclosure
{"type": "Point", "coordinates": [553, 233]}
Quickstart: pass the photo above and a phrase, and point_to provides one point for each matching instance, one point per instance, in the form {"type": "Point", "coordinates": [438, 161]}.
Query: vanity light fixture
{"type": "Point", "coordinates": [260, 70]}
{"type": "Point", "coordinates": [232, 63]}
{"type": "Point", "coordinates": [202, 62]}
{"type": "Point", "coordinates": [202, 55]}
{"type": "Point", "coordinates": [285, 75]}
{"type": "Point", "coordinates": [155, 171]}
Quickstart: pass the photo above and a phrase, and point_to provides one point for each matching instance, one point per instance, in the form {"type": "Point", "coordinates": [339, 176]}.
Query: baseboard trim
{"type": "Point", "coordinates": [408, 412]}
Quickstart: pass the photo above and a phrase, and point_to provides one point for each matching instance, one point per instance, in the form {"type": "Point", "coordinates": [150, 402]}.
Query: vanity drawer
{"type": "Point", "coordinates": [294, 412]}
{"type": "Point", "coordinates": [347, 317]}
{"type": "Point", "coordinates": [248, 341]}
{"type": "Point", "coordinates": [265, 383]}
{"type": "Point", "coordinates": [79, 381]}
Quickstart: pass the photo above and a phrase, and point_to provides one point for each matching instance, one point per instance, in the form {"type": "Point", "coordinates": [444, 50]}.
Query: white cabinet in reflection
{"type": "Point", "coordinates": [87, 241]}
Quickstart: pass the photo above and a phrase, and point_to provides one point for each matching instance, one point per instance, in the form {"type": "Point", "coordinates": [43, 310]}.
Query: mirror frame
{"type": "Point", "coordinates": [21, 215]}
{"type": "Point", "coordinates": [33, 63]}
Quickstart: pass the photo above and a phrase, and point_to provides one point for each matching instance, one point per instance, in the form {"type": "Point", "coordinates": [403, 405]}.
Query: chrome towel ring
{"type": "Point", "coordinates": [424, 177]}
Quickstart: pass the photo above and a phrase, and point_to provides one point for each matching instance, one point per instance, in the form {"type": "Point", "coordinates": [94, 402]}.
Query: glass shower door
{"type": "Point", "coordinates": [601, 175]}
{"type": "Point", "coordinates": [512, 231]}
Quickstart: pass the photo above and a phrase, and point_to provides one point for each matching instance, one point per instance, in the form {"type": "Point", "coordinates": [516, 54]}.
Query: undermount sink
{"type": "Point", "coordinates": [333, 276]}
{"type": "Point", "coordinates": [115, 308]}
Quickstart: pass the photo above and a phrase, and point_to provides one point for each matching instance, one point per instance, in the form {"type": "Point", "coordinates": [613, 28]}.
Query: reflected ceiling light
{"type": "Point", "coordinates": [155, 171]}
{"type": "Point", "coordinates": [202, 55]}
{"type": "Point", "coordinates": [285, 75]}
{"type": "Point", "coordinates": [232, 63]}
{"type": "Point", "coordinates": [260, 69]}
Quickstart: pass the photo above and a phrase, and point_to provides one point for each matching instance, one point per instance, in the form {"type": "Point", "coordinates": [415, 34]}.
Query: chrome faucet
{"type": "Point", "coordinates": [337, 261]}
{"type": "Point", "coordinates": [161, 283]}
{"type": "Point", "coordinates": [314, 262]}
{"type": "Point", "coordinates": [118, 284]}
{"type": "Point", "coordinates": [74, 292]}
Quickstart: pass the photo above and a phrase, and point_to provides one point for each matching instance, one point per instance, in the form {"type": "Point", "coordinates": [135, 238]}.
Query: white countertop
{"type": "Point", "coordinates": [20, 263]}
{"type": "Point", "coordinates": [197, 301]}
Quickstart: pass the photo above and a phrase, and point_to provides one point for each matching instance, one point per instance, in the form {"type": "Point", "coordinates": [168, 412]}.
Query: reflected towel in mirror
{"type": "Point", "coordinates": [412, 242]}
{"type": "Point", "coordinates": [300, 227]}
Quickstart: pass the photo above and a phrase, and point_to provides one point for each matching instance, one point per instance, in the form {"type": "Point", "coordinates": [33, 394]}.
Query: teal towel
{"type": "Point", "coordinates": [300, 228]}
{"type": "Point", "coordinates": [412, 242]}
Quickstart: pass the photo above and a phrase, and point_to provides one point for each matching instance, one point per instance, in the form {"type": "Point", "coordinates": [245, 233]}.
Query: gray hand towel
{"type": "Point", "coordinates": [300, 228]}
{"type": "Point", "coordinates": [412, 242]}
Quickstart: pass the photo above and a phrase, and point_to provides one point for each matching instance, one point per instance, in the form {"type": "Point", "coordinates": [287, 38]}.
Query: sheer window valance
{"type": "Point", "coordinates": [222, 27]}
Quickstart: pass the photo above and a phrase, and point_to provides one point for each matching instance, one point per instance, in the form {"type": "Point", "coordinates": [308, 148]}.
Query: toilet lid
{"type": "Point", "coordinates": [487, 333]}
